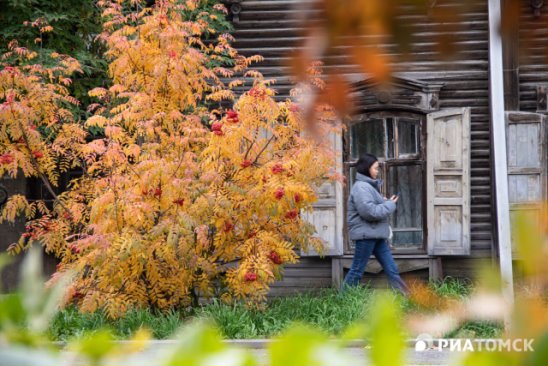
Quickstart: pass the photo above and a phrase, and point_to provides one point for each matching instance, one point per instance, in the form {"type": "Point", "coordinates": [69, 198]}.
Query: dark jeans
{"type": "Point", "coordinates": [379, 247]}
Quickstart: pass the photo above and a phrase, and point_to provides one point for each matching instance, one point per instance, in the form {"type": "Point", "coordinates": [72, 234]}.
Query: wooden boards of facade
{"type": "Point", "coordinates": [272, 28]}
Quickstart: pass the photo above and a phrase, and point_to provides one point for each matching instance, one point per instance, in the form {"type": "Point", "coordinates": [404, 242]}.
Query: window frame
{"type": "Point", "coordinates": [385, 164]}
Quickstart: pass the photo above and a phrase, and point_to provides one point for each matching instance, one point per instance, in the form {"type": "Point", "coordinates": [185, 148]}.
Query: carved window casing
{"type": "Point", "coordinates": [390, 123]}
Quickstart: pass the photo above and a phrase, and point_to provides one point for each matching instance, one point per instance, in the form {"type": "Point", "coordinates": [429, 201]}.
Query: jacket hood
{"type": "Point", "coordinates": [376, 183]}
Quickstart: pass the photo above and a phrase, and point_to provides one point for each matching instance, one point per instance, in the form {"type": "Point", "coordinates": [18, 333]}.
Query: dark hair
{"type": "Point", "coordinates": [364, 163]}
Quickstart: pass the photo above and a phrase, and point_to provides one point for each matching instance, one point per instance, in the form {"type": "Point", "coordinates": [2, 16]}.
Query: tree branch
{"type": "Point", "coordinates": [36, 166]}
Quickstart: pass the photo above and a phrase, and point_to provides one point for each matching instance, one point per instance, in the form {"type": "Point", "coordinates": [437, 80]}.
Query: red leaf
{"type": "Point", "coordinates": [292, 214]}
{"type": "Point", "coordinates": [232, 116]}
{"type": "Point", "coordinates": [250, 277]}
{"type": "Point", "coordinates": [275, 258]}
{"type": "Point", "coordinates": [280, 192]}
{"type": "Point", "coordinates": [38, 154]}
{"type": "Point", "coordinates": [278, 168]}
{"type": "Point", "coordinates": [6, 159]}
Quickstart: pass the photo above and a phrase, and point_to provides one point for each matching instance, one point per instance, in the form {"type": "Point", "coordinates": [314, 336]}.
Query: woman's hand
{"type": "Point", "coordinates": [394, 198]}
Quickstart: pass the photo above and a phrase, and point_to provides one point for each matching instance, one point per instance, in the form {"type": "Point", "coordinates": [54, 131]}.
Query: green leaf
{"type": "Point", "coordinates": [296, 347]}
{"type": "Point", "coordinates": [386, 333]}
{"type": "Point", "coordinates": [196, 343]}
{"type": "Point", "coordinates": [12, 311]}
{"type": "Point", "coordinates": [95, 346]}
{"type": "Point", "coordinates": [540, 355]}
{"type": "Point", "coordinates": [302, 345]}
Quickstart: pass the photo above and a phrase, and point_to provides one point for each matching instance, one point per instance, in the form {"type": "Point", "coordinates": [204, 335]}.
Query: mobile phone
{"type": "Point", "coordinates": [397, 194]}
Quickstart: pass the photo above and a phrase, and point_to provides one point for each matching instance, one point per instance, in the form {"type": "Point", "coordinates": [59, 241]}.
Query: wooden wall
{"type": "Point", "coordinates": [533, 55]}
{"type": "Point", "coordinates": [310, 274]}
{"type": "Point", "coordinates": [272, 29]}
{"type": "Point", "coordinates": [9, 233]}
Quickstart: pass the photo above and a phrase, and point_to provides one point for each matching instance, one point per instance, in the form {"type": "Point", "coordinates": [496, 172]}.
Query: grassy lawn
{"type": "Point", "coordinates": [328, 310]}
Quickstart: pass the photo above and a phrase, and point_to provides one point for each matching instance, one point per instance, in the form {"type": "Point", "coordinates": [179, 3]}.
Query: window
{"type": "Point", "coordinates": [397, 139]}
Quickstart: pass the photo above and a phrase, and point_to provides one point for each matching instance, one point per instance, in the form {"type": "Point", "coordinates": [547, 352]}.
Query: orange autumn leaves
{"type": "Point", "coordinates": [34, 99]}
{"type": "Point", "coordinates": [39, 134]}
{"type": "Point", "coordinates": [178, 200]}
{"type": "Point", "coordinates": [173, 223]}
{"type": "Point", "coordinates": [262, 174]}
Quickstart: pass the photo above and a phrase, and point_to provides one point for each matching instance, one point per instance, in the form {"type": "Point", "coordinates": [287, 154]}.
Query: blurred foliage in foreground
{"type": "Point", "coordinates": [24, 318]}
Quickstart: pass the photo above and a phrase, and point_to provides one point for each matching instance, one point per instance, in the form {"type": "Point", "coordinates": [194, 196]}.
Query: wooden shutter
{"type": "Point", "coordinates": [527, 165]}
{"type": "Point", "coordinates": [327, 214]}
{"type": "Point", "coordinates": [448, 182]}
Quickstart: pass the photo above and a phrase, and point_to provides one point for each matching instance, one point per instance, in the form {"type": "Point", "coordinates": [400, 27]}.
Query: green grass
{"type": "Point", "coordinates": [328, 310]}
{"type": "Point", "coordinates": [477, 329]}
{"type": "Point", "coordinates": [452, 287]}
{"type": "Point", "coordinates": [69, 323]}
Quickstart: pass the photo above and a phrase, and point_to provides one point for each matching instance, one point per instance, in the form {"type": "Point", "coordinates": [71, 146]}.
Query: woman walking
{"type": "Point", "coordinates": [368, 213]}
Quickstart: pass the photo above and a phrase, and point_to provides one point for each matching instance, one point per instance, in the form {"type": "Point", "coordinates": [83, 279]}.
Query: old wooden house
{"type": "Point", "coordinates": [464, 154]}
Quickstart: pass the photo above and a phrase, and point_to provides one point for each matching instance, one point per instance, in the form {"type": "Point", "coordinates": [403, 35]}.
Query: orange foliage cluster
{"type": "Point", "coordinates": [39, 135]}
{"type": "Point", "coordinates": [178, 200]}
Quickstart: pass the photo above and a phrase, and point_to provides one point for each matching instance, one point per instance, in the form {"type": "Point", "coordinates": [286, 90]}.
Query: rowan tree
{"type": "Point", "coordinates": [182, 197]}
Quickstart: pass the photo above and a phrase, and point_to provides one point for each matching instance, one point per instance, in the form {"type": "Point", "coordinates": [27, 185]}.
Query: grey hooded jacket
{"type": "Point", "coordinates": [368, 211]}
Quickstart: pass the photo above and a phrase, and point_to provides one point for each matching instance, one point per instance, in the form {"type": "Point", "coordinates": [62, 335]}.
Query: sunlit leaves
{"type": "Point", "coordinates": [302, 345]}
{"type": "Point", "coordinates": [177, 201]}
